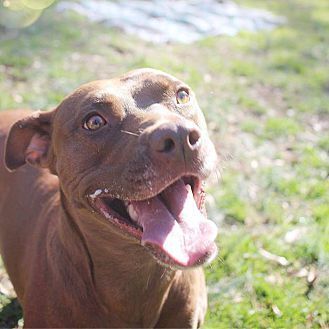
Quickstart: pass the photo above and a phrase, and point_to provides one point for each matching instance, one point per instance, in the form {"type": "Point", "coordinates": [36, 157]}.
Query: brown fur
{"type": "Point", "coordinates": [69, 266]}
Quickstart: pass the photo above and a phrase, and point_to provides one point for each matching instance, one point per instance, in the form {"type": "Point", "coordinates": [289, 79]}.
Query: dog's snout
{"type": "Point", "coordinates": [173, 142]}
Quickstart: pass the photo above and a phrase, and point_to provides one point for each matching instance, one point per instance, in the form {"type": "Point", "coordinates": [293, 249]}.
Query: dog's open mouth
{"type": "Point", "coordinates": [172, 224]}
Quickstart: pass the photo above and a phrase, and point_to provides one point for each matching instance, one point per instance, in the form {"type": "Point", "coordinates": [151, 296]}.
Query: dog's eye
{"type": "Point", "coordinates": [94, 122]}
{"type": "Point", "coordinates": [182, 96]}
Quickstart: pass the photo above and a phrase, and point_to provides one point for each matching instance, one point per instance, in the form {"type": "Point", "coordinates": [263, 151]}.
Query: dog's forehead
{"type": "Point", "coordinates": [139, 85]}
{"type": "Point", "coordinates": [140, 76]}
{"type": "Point", "coordinates": [139, 88]}
{"type": "Point", "coordinates": [147, 86]}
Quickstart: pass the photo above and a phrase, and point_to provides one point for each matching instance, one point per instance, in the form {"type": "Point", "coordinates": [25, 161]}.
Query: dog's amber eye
{"type": "Point", "coordinates": [182, 96]}
{"type": "Point", "coordinates": [94, 122]}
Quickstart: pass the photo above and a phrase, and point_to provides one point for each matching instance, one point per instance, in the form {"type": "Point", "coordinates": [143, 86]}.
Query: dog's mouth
{"type": "Point", "coordinates": [171, 224]}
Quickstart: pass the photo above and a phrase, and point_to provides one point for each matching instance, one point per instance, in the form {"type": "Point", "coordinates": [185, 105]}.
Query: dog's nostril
{"type": "Point", "coordinates": [193, 137]}
{"type": "Point", "coordinates": [168, 145]}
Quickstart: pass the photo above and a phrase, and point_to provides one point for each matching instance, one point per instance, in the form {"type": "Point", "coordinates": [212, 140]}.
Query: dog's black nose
{"type": "Point", "coordinates": [174, 141]}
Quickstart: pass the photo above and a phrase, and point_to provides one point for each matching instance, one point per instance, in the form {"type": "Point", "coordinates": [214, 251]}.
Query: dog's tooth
{"type": "Point", "coordinates": [132, 213]}
{"type": "Point", "coordinates": [95, 194]}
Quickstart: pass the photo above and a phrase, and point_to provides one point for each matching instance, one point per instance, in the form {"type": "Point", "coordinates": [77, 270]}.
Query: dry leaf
{"type": "Point", "coordinates": [278, 259]}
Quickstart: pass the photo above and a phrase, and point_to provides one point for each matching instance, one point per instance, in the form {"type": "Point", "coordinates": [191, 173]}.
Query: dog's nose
{"type": "Point", "coordinates": [171, 141]}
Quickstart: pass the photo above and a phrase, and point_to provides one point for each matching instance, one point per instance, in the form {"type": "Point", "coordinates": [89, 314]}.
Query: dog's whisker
{"type": "Point", "coordinates": [147, 282]}
{"type": "Point", "coordinates": [130, 133]}
{"type": "Point", "coordinates": [218, 175]}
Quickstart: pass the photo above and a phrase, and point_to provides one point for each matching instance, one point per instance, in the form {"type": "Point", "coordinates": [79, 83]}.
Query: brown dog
{"type": "Point", "coordinates": [112, 232]}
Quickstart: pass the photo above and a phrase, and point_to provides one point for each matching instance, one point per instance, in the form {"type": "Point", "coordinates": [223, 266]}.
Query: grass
{"type": "Point", "coordinates": [266, 99]}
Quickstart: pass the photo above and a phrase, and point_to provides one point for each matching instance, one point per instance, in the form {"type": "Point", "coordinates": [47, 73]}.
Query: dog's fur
{"type": "Point", "coordinates": [69, 266]}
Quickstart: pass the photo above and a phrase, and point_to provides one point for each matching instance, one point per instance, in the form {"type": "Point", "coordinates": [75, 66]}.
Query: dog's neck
{"type": "Point", "coordinates": [126, 277]}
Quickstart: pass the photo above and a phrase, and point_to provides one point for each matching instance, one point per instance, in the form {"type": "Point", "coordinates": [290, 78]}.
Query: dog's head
{"type": "Point", "coordinates": [134, 152]}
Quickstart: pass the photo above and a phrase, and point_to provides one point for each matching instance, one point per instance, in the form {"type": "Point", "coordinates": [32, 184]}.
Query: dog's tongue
{"type": "Point", "coordinates": [175, 224]}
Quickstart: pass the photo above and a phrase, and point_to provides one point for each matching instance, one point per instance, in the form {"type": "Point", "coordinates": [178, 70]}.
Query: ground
{"type": "Point", "coordinates": [266, 100]}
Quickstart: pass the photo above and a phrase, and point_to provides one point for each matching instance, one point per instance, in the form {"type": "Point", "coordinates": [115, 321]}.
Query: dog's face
{"type": "Point", "coordinates": [134, 152]}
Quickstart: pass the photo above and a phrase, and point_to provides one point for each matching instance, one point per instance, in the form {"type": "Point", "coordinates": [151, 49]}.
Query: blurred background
{"type": "Point", "coordinates": [260, 70]}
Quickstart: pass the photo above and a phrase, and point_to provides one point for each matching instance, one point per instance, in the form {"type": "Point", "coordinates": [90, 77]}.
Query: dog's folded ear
{"type": "Point", "coordinates": [28, 141]}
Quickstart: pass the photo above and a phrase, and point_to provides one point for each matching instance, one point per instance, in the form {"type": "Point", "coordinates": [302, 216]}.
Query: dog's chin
{"type": "Point", "coordinates": [171, 224]}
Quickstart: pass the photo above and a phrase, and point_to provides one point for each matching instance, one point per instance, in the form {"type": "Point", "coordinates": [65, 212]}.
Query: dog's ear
{"type": "Point", "coordinates": [28, 141]}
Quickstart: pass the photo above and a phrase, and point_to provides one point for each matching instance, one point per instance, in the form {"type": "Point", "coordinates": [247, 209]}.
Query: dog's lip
{"type": "Point", "coordinates": [198, 185]}
{"type": "Point", "coordinates": [96, 201]}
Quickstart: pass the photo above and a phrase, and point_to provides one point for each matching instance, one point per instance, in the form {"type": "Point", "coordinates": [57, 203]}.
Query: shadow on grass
{"type": "Point", "coordinates": [10, 314]}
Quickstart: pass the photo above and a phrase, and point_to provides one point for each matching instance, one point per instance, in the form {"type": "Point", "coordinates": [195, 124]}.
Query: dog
{"type": "Point", "coordinates": [102, 206]}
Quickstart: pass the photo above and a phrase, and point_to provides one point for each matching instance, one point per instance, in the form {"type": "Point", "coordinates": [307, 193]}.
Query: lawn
{"type": "Point", "coordinates": [266, 99]}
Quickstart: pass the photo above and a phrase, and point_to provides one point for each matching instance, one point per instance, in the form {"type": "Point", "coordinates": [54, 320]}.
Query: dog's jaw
{"type": "Point", "coordinates": [171, 224]}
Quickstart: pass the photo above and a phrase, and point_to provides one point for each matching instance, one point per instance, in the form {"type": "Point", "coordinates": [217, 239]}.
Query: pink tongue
{"type": "Point", "coordinates": [177, 228]}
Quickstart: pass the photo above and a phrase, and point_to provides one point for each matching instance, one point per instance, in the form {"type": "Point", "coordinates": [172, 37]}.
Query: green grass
{"type": "Point", "coordinates": [266, 99]}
